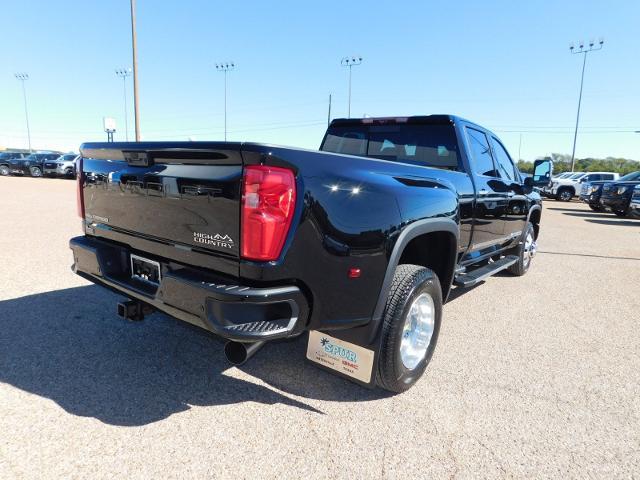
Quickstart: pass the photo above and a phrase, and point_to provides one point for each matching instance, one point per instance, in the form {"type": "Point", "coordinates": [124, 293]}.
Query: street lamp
{"type": "Point", "coordinates": [225, 67]}
{"type": "Point", "coordinates": [124, 73]}
{"type": "Point", "coordinates": [23, 77]}
{"type": "Point", "coordinates": [350, 62]}
{"type": "Point", "coordinates": [584, 49]}
{"type": "Point", "coordinates": [134, 54]}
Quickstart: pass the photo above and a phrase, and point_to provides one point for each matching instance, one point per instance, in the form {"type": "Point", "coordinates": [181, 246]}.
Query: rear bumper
{"type": "Point", "coordinates": [226, 308]}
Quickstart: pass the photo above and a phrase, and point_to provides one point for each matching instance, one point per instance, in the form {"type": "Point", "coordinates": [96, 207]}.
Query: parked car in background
{"type": "Point", "coordinates": [33, 164]}
{"type": "Point", "coordinates": [5, 161]}
{"type": "Point", "coordinates": [616, 196]}
{"type": "Point", "coordinates": [590, 194]}
{"type": "Point", "coordinates": [547, 191]}
{"type": "Point", "coordinates": [563, 175]}
{"type": "Point", "coordinates": [634, 206]}
{"type": "Point", "coordinates": [564, 189]}
{"type": "Point", "coordinates": [63, 166]}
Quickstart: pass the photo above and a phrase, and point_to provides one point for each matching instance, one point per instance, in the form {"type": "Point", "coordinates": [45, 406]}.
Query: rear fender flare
{"type": "Point", "coordinates": [410, 232]}
{"type": "Point", "coordinates": [533, 209]}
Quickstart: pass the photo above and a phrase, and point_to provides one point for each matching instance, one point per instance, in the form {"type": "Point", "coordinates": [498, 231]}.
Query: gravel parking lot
{"type": "Point", "coordinates": [536, 376]}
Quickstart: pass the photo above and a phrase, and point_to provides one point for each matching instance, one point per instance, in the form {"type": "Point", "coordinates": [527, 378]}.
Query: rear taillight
{"type": "Point", "coordinates": [268, 203]}
{"type": "Point", "coordinates": [80, 181]}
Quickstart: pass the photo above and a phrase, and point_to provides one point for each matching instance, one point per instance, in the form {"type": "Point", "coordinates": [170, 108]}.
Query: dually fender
{"type": "Point", "coordinates": [414, 230]}
{"type": "Point", "coordinates": [532, 209]}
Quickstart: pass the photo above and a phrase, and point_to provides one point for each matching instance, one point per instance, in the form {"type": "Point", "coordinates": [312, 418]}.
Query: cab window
{"type": "Point", "coordinates": [481, 153]}
{"type": "Point", "coordinates": [417, 144]}
{"type": "Point", "coordinates": [503, 161]}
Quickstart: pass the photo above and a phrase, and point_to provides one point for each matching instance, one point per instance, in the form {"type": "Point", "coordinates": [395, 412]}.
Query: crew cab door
{"type": "Point", "coordinates": [491, 195]}
{"type": "Point", "coordinates": [510, 182]}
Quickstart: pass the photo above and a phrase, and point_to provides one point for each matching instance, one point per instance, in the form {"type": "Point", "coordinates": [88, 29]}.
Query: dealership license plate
{"type": "Point", "coordinates": [146, 270]}
{"type": "Point", "coordinates": [344, 357]}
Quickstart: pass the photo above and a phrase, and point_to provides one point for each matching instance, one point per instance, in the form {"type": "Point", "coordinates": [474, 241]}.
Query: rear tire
{"type": "Point", "coordinates": [4, 170]}
{"type": "Point", "coordinates": [621, 213]}
{"type": "Point", "coordinates": [35, 171]}
{"type": "Point", "coordinates": [525, 252]}
{"type": "Point", "coordinates": [410, 327]}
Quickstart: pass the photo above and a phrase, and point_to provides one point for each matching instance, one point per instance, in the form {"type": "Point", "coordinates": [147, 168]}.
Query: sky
{"type": "Point", "coordinates": [503, 64]}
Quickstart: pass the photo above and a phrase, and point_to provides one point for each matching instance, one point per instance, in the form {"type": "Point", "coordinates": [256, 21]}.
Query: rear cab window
{"type": "Point", "coordinates": [418, 144]}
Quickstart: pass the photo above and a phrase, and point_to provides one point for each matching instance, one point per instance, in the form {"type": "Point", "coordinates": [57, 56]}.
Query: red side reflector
{"type": "Point", "coordinates": [268, 203]}
{"type": "Point", "coordinates": [354, 273]}
{"type": "Point", "coordinates": [80, 182]}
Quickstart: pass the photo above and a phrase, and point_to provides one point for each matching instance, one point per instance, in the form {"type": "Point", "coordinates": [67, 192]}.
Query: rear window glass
{"type": "Point", "coordinates": [427, 145]}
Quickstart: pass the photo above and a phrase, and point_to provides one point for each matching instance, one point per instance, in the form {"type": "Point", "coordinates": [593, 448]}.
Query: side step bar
{"type": "Point", "coordinates": [473, 277]}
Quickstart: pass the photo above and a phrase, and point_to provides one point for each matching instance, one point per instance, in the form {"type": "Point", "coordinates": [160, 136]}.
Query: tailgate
{"type": "Point", "coordinates": [184, 194]}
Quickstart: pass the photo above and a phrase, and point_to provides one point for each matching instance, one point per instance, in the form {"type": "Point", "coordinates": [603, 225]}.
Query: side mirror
{"type": "Point", "coordinates": [542, 171]}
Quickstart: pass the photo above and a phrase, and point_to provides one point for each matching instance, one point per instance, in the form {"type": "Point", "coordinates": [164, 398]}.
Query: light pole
{"type": "Point", "coordinates": [520, 148]}
{"type": "Point", "coordinates": [134, 49]}
{"type": "Point", "coordinates": [224, 68]}
{"type": "Point", "coordinates": [350, 62]}
{"type": "Point", "coordinates": [592, 47]}
{"type": "Point", "coordinates": [23, 77]}
{"type": "Point", "coordinates": [124, 73]}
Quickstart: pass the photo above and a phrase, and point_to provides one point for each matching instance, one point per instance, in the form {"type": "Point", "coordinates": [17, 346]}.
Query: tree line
{"type": "Point", "coordinates": [562, 163]}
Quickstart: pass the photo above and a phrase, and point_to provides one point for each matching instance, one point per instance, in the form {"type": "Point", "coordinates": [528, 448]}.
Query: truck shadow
{"type": "Point", "coordinates": [589, 215]}
{"type": "Point", "coordinates": [561, 209]}
{"type": "Point", "coordinates": [69, 346]}
{"type": "Point", "coordinates": [615, 222]}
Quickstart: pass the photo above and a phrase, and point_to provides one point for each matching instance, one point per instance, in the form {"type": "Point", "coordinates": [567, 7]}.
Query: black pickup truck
{"type": "Point", "coordinates": [616, 196]}
{"type": "Point", "coordinates": [33, 164]}
{"type": "Point", "coordinates": [358, 244]}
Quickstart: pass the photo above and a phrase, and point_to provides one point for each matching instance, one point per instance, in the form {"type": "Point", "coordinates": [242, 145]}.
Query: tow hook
{"type": "Point", "coordinates": [133, 310]}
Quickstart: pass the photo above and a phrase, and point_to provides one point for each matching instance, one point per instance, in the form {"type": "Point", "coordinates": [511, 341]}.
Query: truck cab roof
{"type": "Point", "coordinates": [435, 119]}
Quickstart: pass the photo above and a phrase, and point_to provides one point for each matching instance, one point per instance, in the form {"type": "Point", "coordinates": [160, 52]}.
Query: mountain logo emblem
{"type": "Point", "coordinates": [215, 240]}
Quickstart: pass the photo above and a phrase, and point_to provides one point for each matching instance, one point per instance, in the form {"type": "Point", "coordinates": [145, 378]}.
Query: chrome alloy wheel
{"type": "Point", "coordinates": [417, 331]}
{"type": "Point", "coordinates": [35, 172]}
{"type": "Point", "coordinates": [565, 195]}
{"type": "Point", "coordinates": [530, 249]}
